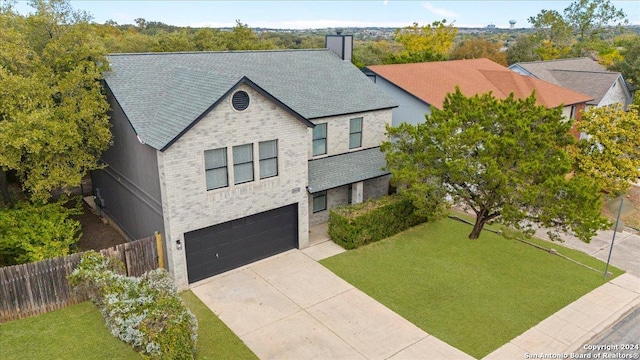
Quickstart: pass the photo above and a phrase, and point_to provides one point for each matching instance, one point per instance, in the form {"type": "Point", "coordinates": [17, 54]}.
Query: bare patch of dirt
{"type": "Point", "coordinates": [96, 235]}
{"type": "Point", "coordinates": [631, 209]}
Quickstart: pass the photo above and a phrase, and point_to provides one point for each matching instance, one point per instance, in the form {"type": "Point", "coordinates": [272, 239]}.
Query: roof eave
{"type": "Point", "coordinates": [254, 86]}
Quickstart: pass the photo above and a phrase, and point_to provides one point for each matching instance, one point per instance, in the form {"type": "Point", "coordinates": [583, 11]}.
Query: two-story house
{"type": "Point", "coordinates": [232, 155]}
{"type": "Point", "coordinates": [583, 75]}
{"type": "Point", "coordinates": [419, 86]}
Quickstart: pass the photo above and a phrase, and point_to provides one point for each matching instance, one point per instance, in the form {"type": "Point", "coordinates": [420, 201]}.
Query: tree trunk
{"type": "Point", "coordinates": [4, 188]}
{"type": "Point", "coordinates": [481, 219]}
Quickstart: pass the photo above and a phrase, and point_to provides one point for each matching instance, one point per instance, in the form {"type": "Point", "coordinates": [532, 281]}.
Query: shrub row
{"type": "Point", "coordinates": [144, 312]}
{"type": "Point", "coordinates": [360, 224]}
{"type": "Point", "coordinates": [33, 232]}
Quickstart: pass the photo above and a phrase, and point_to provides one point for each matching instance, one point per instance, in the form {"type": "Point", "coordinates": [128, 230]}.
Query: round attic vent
{"type": "Point", "coordinates": [240, 100]}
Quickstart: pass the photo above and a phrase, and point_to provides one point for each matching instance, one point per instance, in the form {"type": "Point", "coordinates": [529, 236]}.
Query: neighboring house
{"type": "Point", "coordinates": [233, 155]}
{"type": "Point", "coordinates": [419, 86]}
{"type": "Point", "coordinates": [583, 75]}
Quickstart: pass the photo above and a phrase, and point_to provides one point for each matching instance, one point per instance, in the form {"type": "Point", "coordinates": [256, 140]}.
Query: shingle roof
{"type": "Point", "coordinates": [579, 74]}
{"type": "Point", "coordinates": [431, 81]}
{"type": "Point", "coordinates": [163, 94]}
{"type": "Point", "coordinates": [339, 170]}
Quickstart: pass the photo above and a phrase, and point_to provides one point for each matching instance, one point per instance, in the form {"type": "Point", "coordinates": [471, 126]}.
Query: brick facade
{"type": "Point", "coordinates": [188, 206]}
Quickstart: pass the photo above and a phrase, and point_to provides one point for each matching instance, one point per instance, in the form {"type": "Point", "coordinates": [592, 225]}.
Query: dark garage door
{"type": "Point", "coordinates": [216, 249]}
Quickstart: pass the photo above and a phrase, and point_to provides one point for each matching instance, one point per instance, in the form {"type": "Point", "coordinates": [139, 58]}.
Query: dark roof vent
{"type": "Point", "coordinates": [240, 100]}
{"type": "Point", "coordinates": [339, 31]}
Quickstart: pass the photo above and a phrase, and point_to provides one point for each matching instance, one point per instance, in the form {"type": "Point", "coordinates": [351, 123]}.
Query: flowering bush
{"type": "Point", "coordinates": [144, 312]}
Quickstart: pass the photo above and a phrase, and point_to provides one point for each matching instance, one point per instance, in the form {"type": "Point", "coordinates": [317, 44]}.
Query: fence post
{"type": "Point", "coordinates": [160, 250]}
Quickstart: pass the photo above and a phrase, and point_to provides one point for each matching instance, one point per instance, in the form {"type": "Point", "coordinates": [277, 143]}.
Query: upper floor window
{"type": "Point", "coordinates": [355, 133]}
{"type": "Point", "coordinates": [243, 163]}
{"type": "Point", "coordinates": [215, 165]}
{"type": "Point", "coordinates": [320, 139]}
{"type": "Point", "coordinates": [268, 152]}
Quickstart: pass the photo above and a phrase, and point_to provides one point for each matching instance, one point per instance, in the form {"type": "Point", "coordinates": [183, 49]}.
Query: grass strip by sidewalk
{"type": "Point", "coordinates": [75, 332]}
{"type": "Point", "coordinates": [473, 294]}
{"type": "Point", "coordinates": [79, 332]}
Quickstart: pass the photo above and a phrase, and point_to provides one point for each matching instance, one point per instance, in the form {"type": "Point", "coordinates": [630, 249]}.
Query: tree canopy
{"type": "Point", "coordinates": [503, 159]}
{"type": "Point", "coordinates": [424, 43]}
{"type": "Point", "coordinates": [610, 151]}
{"type": "Point", "coordinates": [479, 48]}
{"type": "Point", "coordinates": [53, 114]}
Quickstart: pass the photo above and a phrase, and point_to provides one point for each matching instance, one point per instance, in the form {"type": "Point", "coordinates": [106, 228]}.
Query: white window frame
{"type": "Point", "coordinates": [322, 194]}
{"type": "Point", "coordinates": [216, 168]}
{"type": "Point", "coordinates": [237, 165]}
{"type": "Point", "coordinates": [352, 132]}
{"type": "Point", "coordinates": [323, 139]}
{"type": "Point", "coordinates": [263, 160]}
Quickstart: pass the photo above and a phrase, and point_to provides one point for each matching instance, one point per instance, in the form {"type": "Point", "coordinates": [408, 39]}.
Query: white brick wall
{"type": "Point", "coordinates": [188, 206]}
{"type": "Point", "coordinates": [375, 188]}
{"type": "Point", "coordinates": [373, 133]}
{"type": "Point", "coordinates": [374, 130]}
{"type": "Point", "coordinates": [335, 197]}
{"type": "Point", "coordinates": [616, 94]}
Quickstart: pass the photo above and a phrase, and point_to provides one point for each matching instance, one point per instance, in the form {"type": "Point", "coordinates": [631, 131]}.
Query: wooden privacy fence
{"type": "Point", "coordinates": [40, 287]}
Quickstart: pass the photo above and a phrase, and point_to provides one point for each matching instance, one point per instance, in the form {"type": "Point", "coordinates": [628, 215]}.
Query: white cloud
{"type": "Point", "coordinates": [439, 11]}
{"type": "Point", "coordinates": [385, 2]}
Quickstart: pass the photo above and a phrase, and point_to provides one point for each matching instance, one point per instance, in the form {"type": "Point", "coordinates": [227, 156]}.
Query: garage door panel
{"type": "Point", "coordinates": [225, 246]}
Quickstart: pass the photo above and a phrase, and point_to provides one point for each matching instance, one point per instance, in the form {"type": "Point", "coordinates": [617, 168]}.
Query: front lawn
{"type": "Point", "coordinates": [79, 332]}
{"type": "Point", "coordinates": [75, 332]}
{"type": "Point", "coordinates": [473, 294]}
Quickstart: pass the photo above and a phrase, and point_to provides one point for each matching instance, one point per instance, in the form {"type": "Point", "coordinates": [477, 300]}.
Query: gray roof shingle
{"type": "Point", "coordinates": [339, 170]}
{"type": "Point", "coordinates": [579, 74]}
{"type": "Point", "coordinates": [162, 94]}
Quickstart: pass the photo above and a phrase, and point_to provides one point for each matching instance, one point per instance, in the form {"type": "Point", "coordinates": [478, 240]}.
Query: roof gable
{"type": "Point", "coordinates": [432, 81]}
{"type": "Point", "coordinates": [579, 74]}
{"type": "Point", "coordinates": [163, 94]}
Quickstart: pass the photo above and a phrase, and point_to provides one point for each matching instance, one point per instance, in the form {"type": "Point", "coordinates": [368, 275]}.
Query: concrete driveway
{"type": "Point", "coordinates": [290, 307]}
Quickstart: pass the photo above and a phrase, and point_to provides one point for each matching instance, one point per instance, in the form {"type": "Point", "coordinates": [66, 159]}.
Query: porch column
{"type": "Point", "coordinates": [358, 192]}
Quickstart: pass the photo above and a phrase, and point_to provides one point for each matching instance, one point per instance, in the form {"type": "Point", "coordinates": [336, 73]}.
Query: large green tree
{"type": "Point", "coordinates": [610, 151]}
{"type": "Point", "coordinates": [593, 18]}
{"type": "Point", "coordinates": [629, 63]}
{"type": "Point", "coordinates": [585, 28]}
{"type": "Point", "coordinates": [476, 48]}
{"type": "Point", "coordinates": [503, 159]}
{"type": "Point", "coordinates": [430, 42]}
{"type": "Point", "coordinates": [53, 114]}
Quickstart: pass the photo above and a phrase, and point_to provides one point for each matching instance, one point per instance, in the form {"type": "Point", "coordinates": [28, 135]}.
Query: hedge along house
{"type": "Point", "coordinates": [231, 155]}
{"type": "Point", "coordinates": [419, 86]}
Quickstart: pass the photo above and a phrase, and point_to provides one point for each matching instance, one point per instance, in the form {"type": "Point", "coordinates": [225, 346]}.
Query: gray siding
{"type": "Point", "coordinates": [410, 110]}
{"type": "Point", "coordinates": [129, 185]}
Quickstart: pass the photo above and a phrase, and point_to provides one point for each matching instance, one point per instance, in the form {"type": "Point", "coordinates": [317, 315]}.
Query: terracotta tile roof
{"type": "Point", "coordinates": [431, 81]}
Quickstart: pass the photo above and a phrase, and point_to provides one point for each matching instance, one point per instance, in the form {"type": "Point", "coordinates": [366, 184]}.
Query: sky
{"type": "Point", "coordinates": [327, 14]}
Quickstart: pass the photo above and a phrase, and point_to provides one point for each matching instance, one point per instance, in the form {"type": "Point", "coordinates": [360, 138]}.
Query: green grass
{"type": "Point", "coordinates": [215, 339]}
{"type": "Point", "coordinates": [473, 294]}
{"type": "Point", "coordinates": [75, 332]}
{"type": "Point", "coordinates": [79, 332]}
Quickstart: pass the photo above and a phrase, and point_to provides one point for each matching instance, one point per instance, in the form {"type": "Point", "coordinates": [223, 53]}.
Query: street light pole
{"type": "Point", "coordinates": [615, 230]}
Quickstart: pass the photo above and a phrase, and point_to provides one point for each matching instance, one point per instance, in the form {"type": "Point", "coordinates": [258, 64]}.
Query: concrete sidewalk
{"type": "Point", "coordinates": [290, 307]}
{"type": "Point", "coordinates": [567, 330]}
{"type": "Point", "coordinates": [626, 248]}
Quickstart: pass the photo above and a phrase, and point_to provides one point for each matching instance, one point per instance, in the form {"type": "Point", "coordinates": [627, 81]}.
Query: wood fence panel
{"type": "Point", "coordinates": [40, 287]}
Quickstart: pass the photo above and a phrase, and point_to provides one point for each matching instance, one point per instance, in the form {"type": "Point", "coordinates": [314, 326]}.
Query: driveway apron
{"type": "Point", "coordinates": [290, 307]}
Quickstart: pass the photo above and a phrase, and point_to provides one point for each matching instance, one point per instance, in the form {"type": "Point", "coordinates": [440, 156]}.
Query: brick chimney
{"type": "Point", "coordinates": [341, 45]}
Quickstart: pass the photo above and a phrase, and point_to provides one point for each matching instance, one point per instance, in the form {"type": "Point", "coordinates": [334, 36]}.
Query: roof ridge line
{"type": "Point", "coordinates": [217, 52]}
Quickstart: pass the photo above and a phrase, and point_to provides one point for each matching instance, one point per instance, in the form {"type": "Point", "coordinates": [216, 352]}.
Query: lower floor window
{"type": "Point", "coordinates": [320, 201]}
